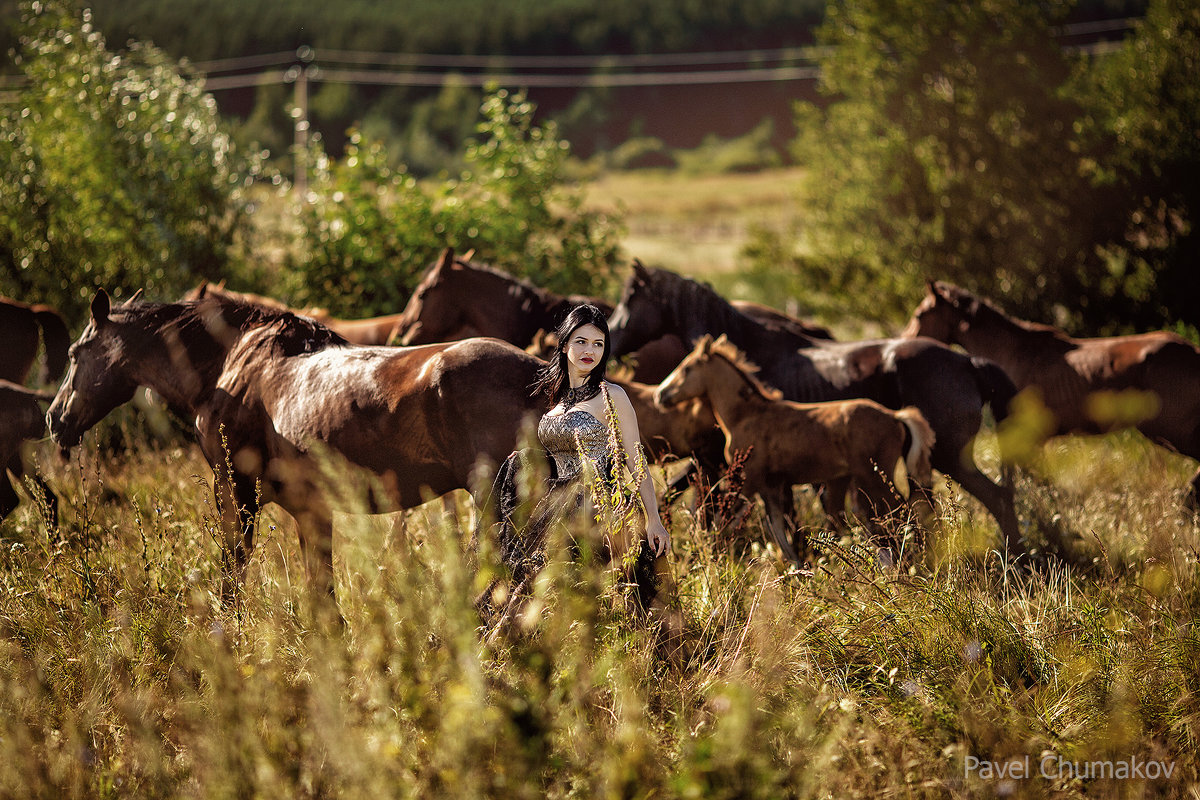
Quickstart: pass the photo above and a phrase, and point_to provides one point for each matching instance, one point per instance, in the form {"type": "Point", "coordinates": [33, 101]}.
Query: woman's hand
{"type": "Point", "coordinates": [657, 536]}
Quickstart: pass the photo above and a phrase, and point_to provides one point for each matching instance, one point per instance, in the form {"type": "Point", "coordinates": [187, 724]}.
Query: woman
{"type": "Point", "coordinates": [590, 430]}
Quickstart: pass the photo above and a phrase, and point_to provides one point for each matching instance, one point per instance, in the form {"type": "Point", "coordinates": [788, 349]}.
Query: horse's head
{"type": "Point", "coordinates": [687, 381]}
{"type": "Point", "coordinates": [432, 312]}
{"type": "Point", "coordinates": [639, 317]}
{"type": "Point", "coordinates": [96, 381]}
{"type": "Point", "coordinates": [945, 312]}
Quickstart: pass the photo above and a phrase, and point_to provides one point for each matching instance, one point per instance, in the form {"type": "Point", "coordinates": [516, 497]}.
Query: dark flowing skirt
{"type": "Point", "coordinates": [521, 534]}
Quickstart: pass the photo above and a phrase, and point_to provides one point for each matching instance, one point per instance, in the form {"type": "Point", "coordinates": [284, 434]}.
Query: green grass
{"type": "Point", "coordinates": [122, 676]}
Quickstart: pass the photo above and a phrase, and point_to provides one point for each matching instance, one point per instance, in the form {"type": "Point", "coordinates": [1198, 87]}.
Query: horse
{"type": "Point", "coordinates": [21, 327]}
{"type": "Point", "coordinates": [839, 443]}
{"type": "Point", "coordinates": [21, 419]}
{"type": "Point", "coordinates": [1068, 372]}
{"type": "Point", "coordinates": [457, 298]}
{"type": "Point", "coordinates": [277, 398]}
{"type": "Point", "coordinates": [950, 388]}
{"type": "Point", "coordinates": [369, 330]}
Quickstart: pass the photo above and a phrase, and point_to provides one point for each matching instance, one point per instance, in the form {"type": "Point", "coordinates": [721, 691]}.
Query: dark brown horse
{"type": "Point", "coordinates": [278, 399]}
{"type": "Point", "coordinates": [457, 298]}
{"type": "Point", "coordinates": [950, 388]}
{"type": "Point", "coordinates": [1068, 372]}
{"type": "Point", "coordinates": [369, 330]}
{"type": "Point", "coordinates": [839, 443]}
{"type": "Point", "coordinates": [21, 419]}
{"type": "Point", "coordinates": [21, 327]}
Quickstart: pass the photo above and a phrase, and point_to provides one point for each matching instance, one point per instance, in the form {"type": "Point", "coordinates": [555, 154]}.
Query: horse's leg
{"type": "Point", "coordinates": [833, 501]}
{"type": "Point", "coordinates": [237, 504]}
{"type": "Point", "coordinates": [9, 499]}
{"type": "Point", "coordinates": [44, 496]}
{"type": "Point", "coordinates": [315, 525]}
{"type": "Point", "coordinates": [777, 500]}
{"type": "Point", "coordinates": [996, 499]}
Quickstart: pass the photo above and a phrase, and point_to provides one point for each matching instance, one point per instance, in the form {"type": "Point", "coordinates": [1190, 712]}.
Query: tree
{"type": "Point", "coordinates": [114, 171]}
{"type": "Point", "coordinates": [946, 150]}
{"type": "Point", "coordinates": [1143, 114]}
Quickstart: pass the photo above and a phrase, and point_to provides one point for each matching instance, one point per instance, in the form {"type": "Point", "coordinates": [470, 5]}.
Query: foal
{"type": "Point", "coordinates": [839, 443]}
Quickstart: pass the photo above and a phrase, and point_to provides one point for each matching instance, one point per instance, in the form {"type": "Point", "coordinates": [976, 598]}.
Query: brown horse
{"type": "Point", "coordinates": [369, 330]}
{"type": "Point", "coordinates": [1068, 372]}
{"type": "Point", "coordinates": [457, 298]}
{"type": "Point", "coordinates": [21, 326]}
{"type": "Point", "coordinates": [839, 443]}
{"type": "Point", "coordinates": [21, 419]}
{"type": "Point", "coordinates": [950, 388]}
{"type": "Point", "coordinates": [275, 396]}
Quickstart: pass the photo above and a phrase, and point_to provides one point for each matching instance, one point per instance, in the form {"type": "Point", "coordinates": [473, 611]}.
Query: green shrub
{"type": "Point", "coordinates": [368, 230]}
{"type": "Point", "coordinates": [115, 171]}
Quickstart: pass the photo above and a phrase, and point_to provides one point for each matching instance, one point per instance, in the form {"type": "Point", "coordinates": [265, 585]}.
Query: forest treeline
{"type": "Point", "coordinates": [963, 143]}
{"type": "Point", "coordinates": [424, 127]}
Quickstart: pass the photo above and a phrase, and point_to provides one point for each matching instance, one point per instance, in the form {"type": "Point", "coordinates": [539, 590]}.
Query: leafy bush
{"type": "Point", "coordinates": [369, 230]}
{"type": "Point", "coordinates": [926, 164]}
{"type": "Point", "coordinates": [114, 171]}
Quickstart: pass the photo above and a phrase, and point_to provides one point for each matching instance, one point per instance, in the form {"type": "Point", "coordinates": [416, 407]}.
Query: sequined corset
{"type": "Point", "coordinates": [558, 434]}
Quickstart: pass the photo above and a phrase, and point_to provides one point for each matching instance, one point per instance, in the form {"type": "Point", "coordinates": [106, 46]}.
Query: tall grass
{"type": "Point", "coordinates": [122, 676]}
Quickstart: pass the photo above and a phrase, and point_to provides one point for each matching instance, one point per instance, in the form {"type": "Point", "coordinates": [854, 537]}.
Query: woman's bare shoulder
{"type": "Point", "coordinates": [616, 389]}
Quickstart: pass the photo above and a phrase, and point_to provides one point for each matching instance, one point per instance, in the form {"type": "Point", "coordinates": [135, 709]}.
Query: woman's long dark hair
{"type": "Point", "coordinates": [552, 379]}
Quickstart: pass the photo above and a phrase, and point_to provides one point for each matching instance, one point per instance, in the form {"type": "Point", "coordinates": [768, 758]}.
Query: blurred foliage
{"type": "Point", "coordinates": [1143, 117]}
{"type": "Point", "coordinates": [963, 144]}
{"type": "Point", "coordinates": [946, 152]}
{"type": "Point", "coordinates": [369, 231]}
{"type": "Point", "coordinates": [114, 171]}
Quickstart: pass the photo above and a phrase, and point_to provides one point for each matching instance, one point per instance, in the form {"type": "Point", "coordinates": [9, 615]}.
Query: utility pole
{"type": "Point", "coordinates": [300, 74]}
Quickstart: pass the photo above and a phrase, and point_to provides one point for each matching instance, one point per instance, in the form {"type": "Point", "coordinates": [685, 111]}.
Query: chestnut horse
{"type": "Point", "coordinates": [21, 326]}
{"type": "Point", "coordinates": [950, 388]}
{"type": "Point", "coordinates": [457, 298]}
{"type": "Point", "coordinates": [369, 330]}
{"type": "Point", "coordinates": [840, 443]}
{"type": "Point", "coordinates": [276, 396]}
{"type": "Point", "coordinates": [1068, 372]}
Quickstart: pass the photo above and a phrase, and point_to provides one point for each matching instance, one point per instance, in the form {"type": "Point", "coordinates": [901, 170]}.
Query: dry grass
{"type": "Point", "coordinates": [694, 224]}
{"type": "Point", "coordinates": [121, 676]}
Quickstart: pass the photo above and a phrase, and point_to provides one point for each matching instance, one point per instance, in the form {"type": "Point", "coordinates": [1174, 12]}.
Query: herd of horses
{"type": "Point", "coordinates": [424, 399]}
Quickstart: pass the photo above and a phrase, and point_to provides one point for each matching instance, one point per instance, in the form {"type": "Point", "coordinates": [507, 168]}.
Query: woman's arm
{"type": "Point", "coordinates": [656, 532]}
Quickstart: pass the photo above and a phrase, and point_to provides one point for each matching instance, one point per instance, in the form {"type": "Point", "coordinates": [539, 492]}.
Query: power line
{"type": "Point", "coordinates": [598, 80]}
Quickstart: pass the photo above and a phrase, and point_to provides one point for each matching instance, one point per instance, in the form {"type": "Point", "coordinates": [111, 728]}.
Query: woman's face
{"type": "Point", "coordinates": [584, 349]}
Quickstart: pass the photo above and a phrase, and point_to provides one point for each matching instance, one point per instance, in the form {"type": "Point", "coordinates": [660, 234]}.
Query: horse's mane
{"type": "Point", "coordinates": [975, 305]}
{"type": "Point", "coordinates": [293, 334]}
{"type": "Point", "coordinates": [726, 349]}
{"type": "Point", "coordinates": [697, 306]}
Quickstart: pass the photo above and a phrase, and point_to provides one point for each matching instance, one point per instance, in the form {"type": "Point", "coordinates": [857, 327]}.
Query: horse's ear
{"type": "Point", "coordinates": [201, 290]}
{"type": "Point", "coordinates": [640, 272]}
{"type": "Point", "coordinates": [100, 308]}
{"type": "Point", "coordinates": [136, 297]}
{"type": "Point", "coordinates": [447, 258]}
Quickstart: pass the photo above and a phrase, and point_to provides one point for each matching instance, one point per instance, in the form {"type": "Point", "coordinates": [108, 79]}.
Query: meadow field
{"type": "Point", "coordinates": [955, 673]}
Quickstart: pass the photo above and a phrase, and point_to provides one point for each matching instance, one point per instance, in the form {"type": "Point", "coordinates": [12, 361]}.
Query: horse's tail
{"type": "Point", "coordinates": [55, 342]}
{"type": "Point", "coordinates": [920, 444]}
{"type": "Point", "coordinates": [997, 388]}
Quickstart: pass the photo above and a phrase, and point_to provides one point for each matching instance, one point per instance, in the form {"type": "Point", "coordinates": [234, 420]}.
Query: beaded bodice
{"type": "Point", "coordinates": [559, 434]}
